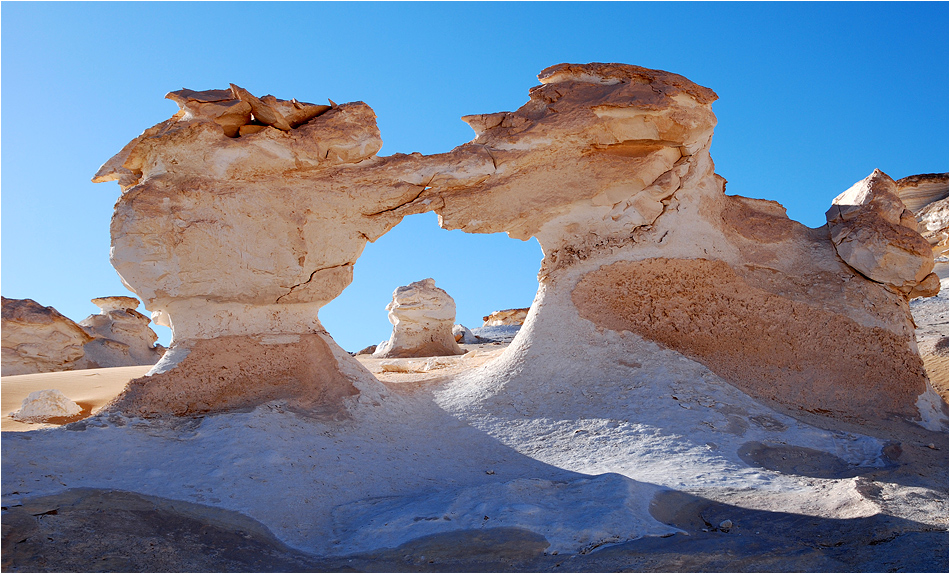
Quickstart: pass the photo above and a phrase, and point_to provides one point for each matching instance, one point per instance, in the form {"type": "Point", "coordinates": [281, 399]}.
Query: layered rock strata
{"type": "Point", "coordinates": [122, 335]}
{"type": "Point", "coordinates": [877, 236]}
{"type": "Point", "coordinates": [423, 317]}
{"type": "Point", "coordinates": [506, 317]}
{"type": "Point", "coordinates": [39, 339]}
{"type": "Point", "coordinates": [926, 195]}
{"type": "Point", "coordinates": [607, 165]}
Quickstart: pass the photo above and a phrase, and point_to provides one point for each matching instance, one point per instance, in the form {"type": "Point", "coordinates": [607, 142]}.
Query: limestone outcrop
{"type": "Point", "coordinates": [122, 337]}
{"type": "Point", "coordinates": [243, 239]}
{"type": "Point", "coordinates": [506, 317]}
{"type": "Point", "coordinates": [423, 317]}
{"type": "Point", "coordinates": [38, 339]}
{"type": "Point", "coordinates": [926, 195]}
{"type": "Point", "coordinates": [876, 234]}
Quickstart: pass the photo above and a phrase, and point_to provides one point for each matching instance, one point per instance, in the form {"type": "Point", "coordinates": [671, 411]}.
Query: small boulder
{"type": "Point", "coordinates": [464, 335]}
{"type": "Point", "coordinates": [422, 316]}
{"type": "Point", "coordinates": [40, 406]}
{"type": "Point", "coordinates": [877, 236]}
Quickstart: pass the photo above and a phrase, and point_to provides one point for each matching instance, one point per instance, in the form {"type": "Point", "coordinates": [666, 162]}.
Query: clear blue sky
{"type": "Point", "coordinates": [813, 97]}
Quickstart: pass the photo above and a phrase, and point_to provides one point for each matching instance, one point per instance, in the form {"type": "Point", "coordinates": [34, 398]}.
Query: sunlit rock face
{"type": "Point", "coordinates": [506, 317]}
{"type": "Point", "coordinates": [38, 339]}
{"type": "Point", "coordinates": [122, 334]}
{"type": "Point", "coordinates": [227, 230]}
{"type": "Point", "coordinates": [423, 317]}
{"type": "Point", "coordinates": [926, 196]}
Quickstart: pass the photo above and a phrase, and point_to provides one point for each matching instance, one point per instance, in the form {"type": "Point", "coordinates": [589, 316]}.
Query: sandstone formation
{"type": "Point", "coordinates": [423, 317]}
{"type": "Point", "coordinates": [122, 335]}
{"type": "Point", "coordinates": [39, 339]}
{"type": "Point", "coordinates": [237, 241]}
{"type": "Point", "coordinates": [44, 405]}
{"type": "Point", "coordinates": [877, 236]}
{"type": "Point", "coordinates": [506, 317]}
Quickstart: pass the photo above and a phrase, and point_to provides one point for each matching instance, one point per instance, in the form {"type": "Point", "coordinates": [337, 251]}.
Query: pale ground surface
{"type": "Point", "coordinates": [444, 466]}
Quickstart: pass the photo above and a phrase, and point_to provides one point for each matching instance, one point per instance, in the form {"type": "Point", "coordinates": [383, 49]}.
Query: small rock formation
{"type": "Point", "coordinates": [506, 317]}
{"type": "Point", "coordinates": [368, 350]}
{"type": "Point", "coordinates": [423, 317]}
{"type": "Point", "coordinates": [37, 339]}
{"type": "Point", "coordinates": [877, 236]}
{"type": "Point", "coordinates": [40, 406]}
{"type": "Point", "coordinates": [463, 335]}
{"type": "Point", "coordinates": [122, 335]}
{"type": "Point", "coordinates": [242, 239]}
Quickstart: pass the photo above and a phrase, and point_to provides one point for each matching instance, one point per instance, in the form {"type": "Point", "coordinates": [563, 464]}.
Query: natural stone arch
{"type": "Point", "coordinates": [240, 241]}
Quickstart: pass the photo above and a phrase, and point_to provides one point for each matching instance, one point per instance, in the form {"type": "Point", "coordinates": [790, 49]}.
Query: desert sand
{"type": "Point", "coordinates": [92, 389]}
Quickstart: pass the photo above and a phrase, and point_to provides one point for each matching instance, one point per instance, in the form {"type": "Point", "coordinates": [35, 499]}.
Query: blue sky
{"type": "Point", "coordinates": [813, 97]}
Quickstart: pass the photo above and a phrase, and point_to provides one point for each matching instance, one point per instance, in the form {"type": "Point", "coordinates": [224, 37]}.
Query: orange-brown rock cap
{"type": "Point", "coordinates": [616, 73]}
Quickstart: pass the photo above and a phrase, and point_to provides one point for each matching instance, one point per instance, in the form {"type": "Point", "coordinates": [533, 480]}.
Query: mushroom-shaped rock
{"type": "Point", "coordinates": [506, 317]}
{"type": "Point", "coordinates": [423, 317]}
{"type": "Point", "coordinates": [122, 335]}
{"type": "Point", "coordinates": [40, 406]}
{"type": "Point", "coordinates": [38, 339]}
{"type": "Point", "coordinates": [876, 234]}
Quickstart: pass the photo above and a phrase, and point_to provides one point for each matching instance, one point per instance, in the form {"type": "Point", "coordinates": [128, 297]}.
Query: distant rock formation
{"type": "Point", "coordinates": [464, 335]}
{"type": "Point", "coordinates": [423, 317]}
{"type": "Point", "coordinates": [506, 317]}
{"type": "Point", "coordinates": [242, 240]}
{"type": "Point", "coordinates": [39, 339]}
{"type": "Point", "coordinates": [122, 335]}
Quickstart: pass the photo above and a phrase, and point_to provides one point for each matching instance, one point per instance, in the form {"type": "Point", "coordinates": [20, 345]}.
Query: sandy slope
{"type": "Point", "coordinates": [91, 389]}
{"type": "Point", "coordinates": [468, 463]}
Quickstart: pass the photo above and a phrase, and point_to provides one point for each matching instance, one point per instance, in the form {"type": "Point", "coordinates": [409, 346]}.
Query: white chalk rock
{"type": "Point", "coordinates": [464, 335]}
{"type": "Point", "coordinates": [40, 406]}
{"type": "Point", "coordinates": [423, 317]}
{"type": "Point", "coordinates": [122, 335]}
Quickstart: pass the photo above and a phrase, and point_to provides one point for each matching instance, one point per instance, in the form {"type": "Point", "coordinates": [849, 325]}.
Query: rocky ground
{"type": "Point", "coordinates": [394, 489]}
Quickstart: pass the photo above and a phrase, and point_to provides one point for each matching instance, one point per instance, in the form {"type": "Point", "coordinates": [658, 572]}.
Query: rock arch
{"type": "Point", "coordinates": [240, 217]}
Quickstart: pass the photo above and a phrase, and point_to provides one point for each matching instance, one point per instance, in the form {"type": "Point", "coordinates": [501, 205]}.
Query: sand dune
{"type": "Point", "coordinates": [90, 388]}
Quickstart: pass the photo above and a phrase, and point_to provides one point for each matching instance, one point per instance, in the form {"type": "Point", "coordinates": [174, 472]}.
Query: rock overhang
{"type": "Point", "coordinates": [250, 235]}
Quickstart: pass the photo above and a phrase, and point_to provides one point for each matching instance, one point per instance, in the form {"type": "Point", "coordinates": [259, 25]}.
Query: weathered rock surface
{"type": "Point", "coordinates": [122, 336]}
{"type": "Point", "coordinates": [39, 339]}
{"type": "Point", "coordinates": [876, 234]}
{"type": "Point", "coordinates": [608, 166]}
{"type": "Point", "coordinates": [506, 317]}
{"type": "Point", "coordinates": [464, 335]}
{"type": "Point", "coordinates": [43, 405]}
{"type": "Point", "coordinates": [423, 317]}
{"type": "Point", "coordinates": [927, 196]}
